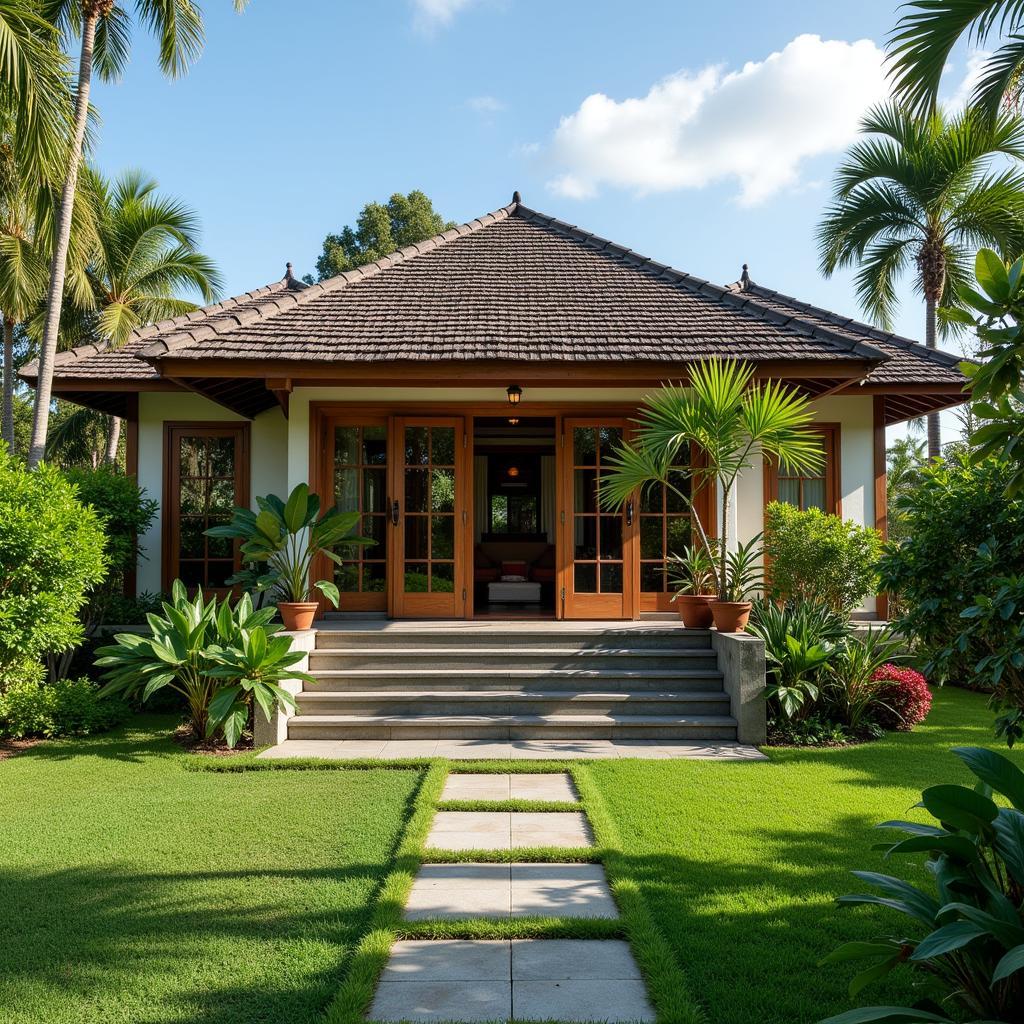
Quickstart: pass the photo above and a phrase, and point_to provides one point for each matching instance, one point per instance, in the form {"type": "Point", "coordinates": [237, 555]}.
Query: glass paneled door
{"type": "Point", "coordinates": [428, 517]}
{"type": "Point", "coordinates": [599, 575]}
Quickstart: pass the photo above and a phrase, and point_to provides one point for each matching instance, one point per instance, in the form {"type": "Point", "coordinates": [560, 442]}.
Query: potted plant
{"type": "Point", "coordinates": [279, 545]}
{"type": "Point", "coordinates": [729, 419]}
{"type": "Point", "coordinates": [743, 578]}
{"type": "Point", "coordinates": [693, 576]}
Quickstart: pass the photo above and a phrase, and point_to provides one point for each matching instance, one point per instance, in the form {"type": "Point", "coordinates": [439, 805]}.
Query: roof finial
{"type": "Point", "coordinates": [516, 197]}
{"type": "Point", "coordinates": [288, 275]}
{"type": "Point", "coordinates": [745, 277]}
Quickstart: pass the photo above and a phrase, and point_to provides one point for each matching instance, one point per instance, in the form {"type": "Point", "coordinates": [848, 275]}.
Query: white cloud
{"type": "Point", "coordinates": [756, 125]}
{"type": "Point", "coordinates": [972, 75]}
{"type": "Point", "coordinates": [434, 13]}
{"type": "Point", "coordinates": [485, 104]}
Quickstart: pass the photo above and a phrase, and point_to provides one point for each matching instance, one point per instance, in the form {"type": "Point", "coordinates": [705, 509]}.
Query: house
{"type": "Point", "coordinates": [463, 394]}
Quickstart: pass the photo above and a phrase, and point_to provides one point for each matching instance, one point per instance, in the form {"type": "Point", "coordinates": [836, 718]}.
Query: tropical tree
{"type": "Point", "coordinates": [381, 229]}
{"type": "Point", "coordinates": [104, 29]}
{"type": "Point", "coordinates": [146, 254]}
{"type": "Point", "coordinates": [926, 34]}
{"type": "Point", "coordinates": [920, 196]}
{"type": "Point", "coordinates": [713, 428]}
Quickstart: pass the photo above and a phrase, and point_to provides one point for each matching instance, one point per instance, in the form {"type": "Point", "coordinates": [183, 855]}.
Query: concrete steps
{"type": "Point", "coordinates": [461, 681]}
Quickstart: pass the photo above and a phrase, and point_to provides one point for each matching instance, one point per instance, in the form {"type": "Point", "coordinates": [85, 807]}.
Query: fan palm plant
{"type": "Point", "coordinates": [926, 34]}
{"type": "Point", "coordinates": [104, 28]}
{"type": "Point", "coordinates": [146, 254]}
{"type": "Point", "coordinates": [921, 196]}
{"type": "Point", "coordinates": [729, 420]}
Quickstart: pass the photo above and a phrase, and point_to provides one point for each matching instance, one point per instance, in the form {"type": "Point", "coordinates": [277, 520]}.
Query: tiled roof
{"type": "Point", "coordinates": [512, 285]}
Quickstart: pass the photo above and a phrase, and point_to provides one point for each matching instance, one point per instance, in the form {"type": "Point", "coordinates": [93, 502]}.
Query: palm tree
{"type": "Point", "coordinates": [104, 27]}
{"type": "Point", "coordinates": [729, 421]}
{"type": "Point", "coordinates": [928, 31]}
{"type": "Point", "coordinates": [146, 254]}
{"type": "Point", "coordinates": [922, 196]}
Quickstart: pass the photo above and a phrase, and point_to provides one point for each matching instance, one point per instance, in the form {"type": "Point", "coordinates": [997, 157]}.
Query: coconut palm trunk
{"type": "Point", "coordinates": [8, 415]}
{"type": "Point", "coordinates": [113, 440]}
{"type": "Point", "coordinates": [934, 427]}
{"type": "Point", "coordinates": [91, 12]}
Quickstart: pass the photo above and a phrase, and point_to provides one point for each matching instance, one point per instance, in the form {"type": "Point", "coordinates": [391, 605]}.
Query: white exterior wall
{"type": "Point", "coordinates": [280, 447]}
{"type": "Point", "coordinates": [267, 471]}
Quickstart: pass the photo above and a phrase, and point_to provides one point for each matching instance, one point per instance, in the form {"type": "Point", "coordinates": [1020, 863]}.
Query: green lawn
{"type": "Point", "coordinates": [135, 891]}
{"type": "Point", "coordinates": [740, 862]}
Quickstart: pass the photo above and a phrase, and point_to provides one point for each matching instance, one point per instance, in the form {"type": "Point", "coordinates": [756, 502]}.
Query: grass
{"type": "Point", "coordinates": [738, 863]}
{"type": "Point", "coordinates": [134, 890]}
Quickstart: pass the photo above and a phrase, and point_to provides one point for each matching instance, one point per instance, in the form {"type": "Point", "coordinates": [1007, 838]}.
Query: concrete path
{"type": "Point", "coordinates": [525, 979]}
{"type": "Point", "coordinates": [525, 750]}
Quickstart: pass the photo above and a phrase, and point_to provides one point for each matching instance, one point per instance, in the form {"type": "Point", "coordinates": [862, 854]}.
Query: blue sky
{"type": "Point", "coordinates": [300, 112]}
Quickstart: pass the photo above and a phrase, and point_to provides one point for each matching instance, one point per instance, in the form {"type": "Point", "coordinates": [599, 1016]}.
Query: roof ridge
{"type": "Point", "coordinates": [937, 355]}
{"type": "Point", "coordinates": [670, 275]}
{"type": "Point", "coordinates": [210, 326]}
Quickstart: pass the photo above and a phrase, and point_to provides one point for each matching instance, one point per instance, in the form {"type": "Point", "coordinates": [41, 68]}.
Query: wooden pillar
{"type": "Point", "coordinates": [131, 469]}
{"type": "Point", "coordinates": [881, 489]}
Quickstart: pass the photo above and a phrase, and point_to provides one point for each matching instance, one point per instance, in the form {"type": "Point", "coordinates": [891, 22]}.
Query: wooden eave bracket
{"type": "Point", "coordinates": [281, 387]}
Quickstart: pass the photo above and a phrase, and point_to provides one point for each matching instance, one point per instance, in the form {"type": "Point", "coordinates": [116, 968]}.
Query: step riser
{"type": "Point", "coordinates": [616, 639]}
{"type": "Point", "coordinates": [699, 683]}
{"type": "Point", "coordinates": [322, 661]}
{"type": "Point", "coordinates": [459, 708]}
{"type": "Point", "coordinates": [499, 732]}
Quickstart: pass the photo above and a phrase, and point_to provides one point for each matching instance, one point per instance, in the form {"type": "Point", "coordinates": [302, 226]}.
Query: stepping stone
{"type": "Point", "coordinates": [501, 830]}
{"type": "Point", "coordinates": [456, 891]}
{"type": "Point", "coordinates": [506, 787]}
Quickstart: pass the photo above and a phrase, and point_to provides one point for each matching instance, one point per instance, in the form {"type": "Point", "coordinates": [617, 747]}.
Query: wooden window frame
{"type": "Point", "coordinates": [170, 523]}
{"type": "Point", "coordinates": [832, 434]}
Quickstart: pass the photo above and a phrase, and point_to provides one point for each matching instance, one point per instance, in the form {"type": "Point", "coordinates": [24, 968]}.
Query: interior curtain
{"type": "Point", "coordinates": [480, 510]}
{"type": "Point", "coordinates": [547, 496]}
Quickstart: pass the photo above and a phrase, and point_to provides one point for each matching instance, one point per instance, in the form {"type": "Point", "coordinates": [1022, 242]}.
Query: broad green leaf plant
{"type": "Point", "coordinates": [713, 428]}
{"type": "Point", "coordinates": [282, 540]}
{"type": "Point", "coordinates": [223, 659]}
{"type": "Point", "coordinates": [972, 946]}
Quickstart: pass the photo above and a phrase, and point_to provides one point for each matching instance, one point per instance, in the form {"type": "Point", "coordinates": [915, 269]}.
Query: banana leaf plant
{"type": "Point", "coordinates": [223, 659]}
{"type": "Point", "coordinates": [282, 540]}
{"type": "Point", "coordinates": [972, 946]}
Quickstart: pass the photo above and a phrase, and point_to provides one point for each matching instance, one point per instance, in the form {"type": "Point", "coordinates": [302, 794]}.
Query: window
{"type": "Point", "coordinates": [819, 489]}
{"type": "Point", "coordinates": [206, 473]}
{"type": "Point", "coordinates": [360, 485]}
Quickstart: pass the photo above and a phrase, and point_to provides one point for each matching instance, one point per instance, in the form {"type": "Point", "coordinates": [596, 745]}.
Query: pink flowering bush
{"type": "Point", "coordinates": [904, 698]}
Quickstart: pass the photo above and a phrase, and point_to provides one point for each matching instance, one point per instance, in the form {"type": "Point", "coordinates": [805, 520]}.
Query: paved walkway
{"type": "Point", "coordinates": [518, 750]}
{"type": "Point", "coordinates": [496, 980]}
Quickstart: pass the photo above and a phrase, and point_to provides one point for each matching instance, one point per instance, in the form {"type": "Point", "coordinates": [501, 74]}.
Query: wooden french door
{"type": "Point", "coordinates": [598, 563]}
{"type": "Point", "coordinates": [428, 517]}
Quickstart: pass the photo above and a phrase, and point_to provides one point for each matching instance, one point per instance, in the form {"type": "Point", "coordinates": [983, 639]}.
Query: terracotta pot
{"type": "Point", "coordinates": [695, 610]}
{"type": "Point", "coordinates": [730, 616]}
{"type": "Point", "coordinates": [297, 615]}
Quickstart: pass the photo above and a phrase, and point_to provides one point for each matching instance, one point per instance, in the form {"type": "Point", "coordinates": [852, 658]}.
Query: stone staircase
{"type": "Point", "coordinates": [513, 681]}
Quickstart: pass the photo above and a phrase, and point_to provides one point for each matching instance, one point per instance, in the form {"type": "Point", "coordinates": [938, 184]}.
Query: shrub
{"type": "Point", "coordinates": [851, 691]}
{"type": "Point", "coordinates": [223, 660]}
{"type": "Point", "coordinates": [938, 570]}
{"type": "Point", "coordinates": [905, 698]}
{"type": "Point", "coordinates": [68, 707]}
{"type": "Point", "coordinates": [132, 611]}
{"type": "Point", "coordinates": [972, 949]}
{"type": "Point", "coordinates": [51, 555]}
{"type": "Point", "coordinates": [819, 558]}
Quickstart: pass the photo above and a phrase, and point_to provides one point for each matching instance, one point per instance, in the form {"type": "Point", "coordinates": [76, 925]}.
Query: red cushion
{"type": "Point", "coordinates": [513, 568]}
{"type": "Point", "coordinates": [485, 574]}
{"type": "Point", "coordinates": [542, 574]}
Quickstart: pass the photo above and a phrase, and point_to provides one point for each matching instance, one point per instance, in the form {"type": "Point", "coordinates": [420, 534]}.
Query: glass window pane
{"type": "Point", "coordinates": [417, 451]}
{"type": "Point", "coordinates": [585, 545]}
{"type": "Point", "coordinates": [416, 578]}
{"type": "Point", "coordinates": [192, 541]}
{"type": "Point", "coordinates": [221, 453]}
{"type": "Point", "coordinates": [442, 577]}
{"type": "Point", "coordinates": [374, 577]}
{"type": "Point", "coordinates": [652, 577]}
{"type": "Point", "coordinates": [442, 536]}
{"type": "Point", "coordinates": [192, 574]}
{"type": "Point", "coordinates": [221, 495]}
{"type": "Point", "coordinates": [375, 527]}
{"type": "Point", "coordinates": [584, 446]}
{"type": "Point", "coordinates": [417, 487]}
{"type": "Point", "coordinates": [220, 547]}
{"type": "Point", "coordinates": [218, 573]}
{"type": "Point", "coordinates": [611, 577]}
{"type": "Point", "coordinates": [443, 442]}
{"type": "Point", "coordinates": [678, 529]}
{"type": "Point", "coordinates": [585, 576]}
{"type": "Point", "coordinates": [814, 494]}
{"type": "Point", "coordinates": [375, 446]}
{"type": "Point", "coordinates": [346, 489]}
{"type": "Point", "coordinates": [789, 491]}
{"type": "Point", "coordinates": [611, 537]}
{"type": "Point", "coordinates": [652, 498]}
{"type": "Point", "coordinates": [442, 491]}
{"type": "Point", "coordinates": [499, 513]}
{"type": "Point", "coordinates": [650, 537]}
{"type": "Point", "coordinates": [346, 446]}
{"type": "Point", "coordinates": [682, 483]}
{"type": "Point", "coordinates": [192, 497]}
{"type": "Point", "coordinates": [375, 497]}
{"type": "Point", "coordinates": [346, 577]}
{"type": "Point", "coordinates": [192, 456]}
{"type": "Point", "coordinates": [585, 490]}
{"type": "Point", "coordinates": [611, 438]}
{"type": "Point", "coordinates": [416, 528]}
